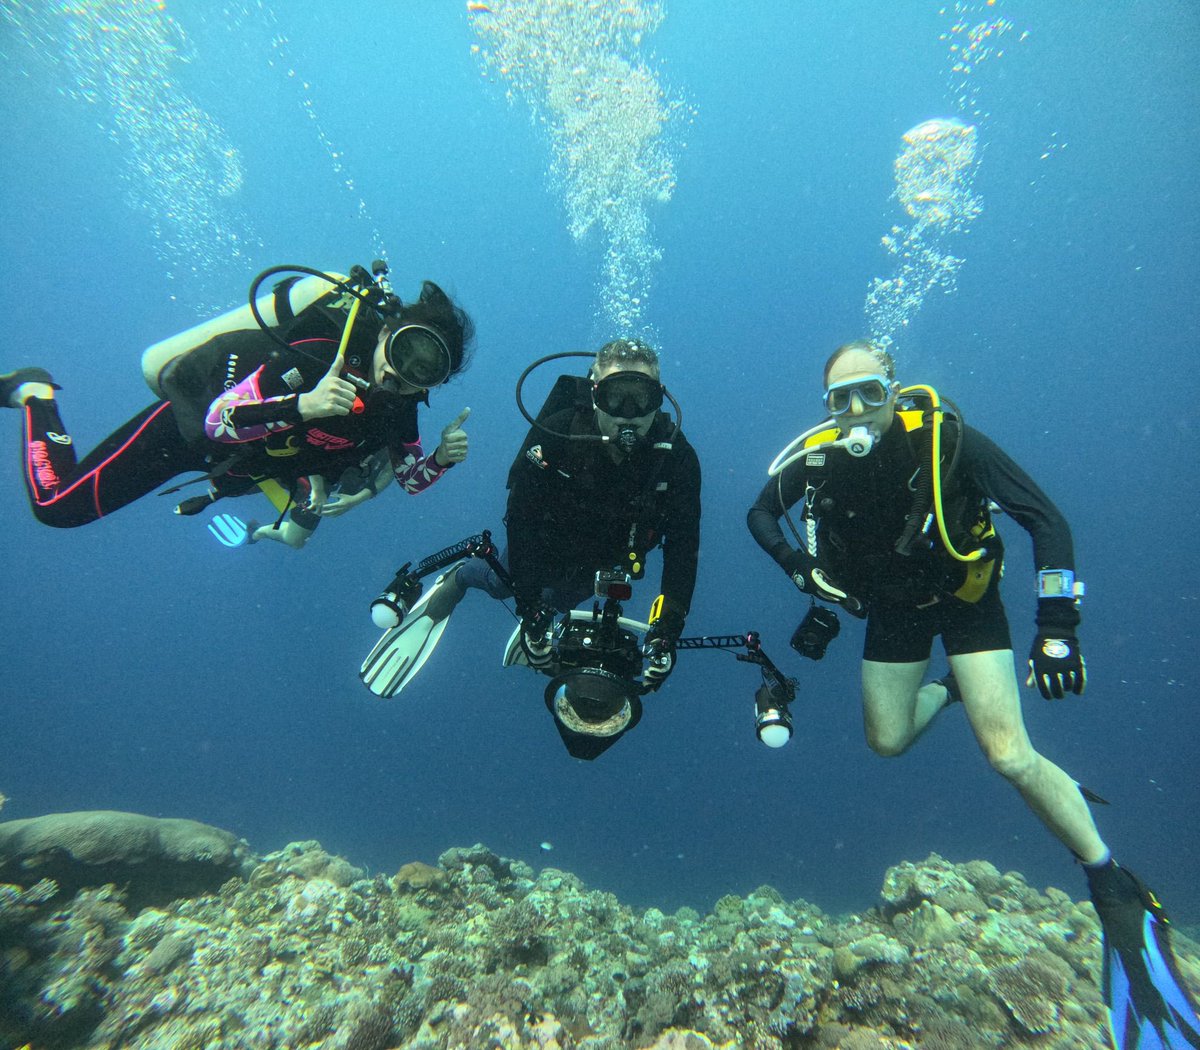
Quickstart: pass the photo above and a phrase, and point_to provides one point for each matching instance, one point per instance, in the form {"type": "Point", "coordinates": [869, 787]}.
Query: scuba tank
{"type": "Point", "coordinates": [288, 299]}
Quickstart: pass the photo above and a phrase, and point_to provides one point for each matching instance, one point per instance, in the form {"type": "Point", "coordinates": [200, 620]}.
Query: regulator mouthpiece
{"type": "Point", "coordinates": [859, 441]}
{"type": "Point", "coordinates": [627, 439]}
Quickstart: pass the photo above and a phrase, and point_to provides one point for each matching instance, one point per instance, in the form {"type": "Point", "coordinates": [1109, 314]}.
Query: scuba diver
{"type": "Point", "coordinates": [601, 479]}
{"type": "Point", "coordinates": [895, 526]}
{"type": "Point", "coordinates": [306, 383]}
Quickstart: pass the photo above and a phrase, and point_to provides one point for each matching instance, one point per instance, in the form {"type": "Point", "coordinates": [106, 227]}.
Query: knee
{"type": "Point", "coordinates": [886, 742]}
{"type": "Point", "coordinates": [1013, 758]}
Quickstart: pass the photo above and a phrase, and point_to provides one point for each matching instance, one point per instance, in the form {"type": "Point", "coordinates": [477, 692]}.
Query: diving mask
{"type": "Point", "coordinates": [872, 391]}
{"type": "Point", "coordinates": [628, 395]}
{"type": "Point", "coordinates": [419, 356]}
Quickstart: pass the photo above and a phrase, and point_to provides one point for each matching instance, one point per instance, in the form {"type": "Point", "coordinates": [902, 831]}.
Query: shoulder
{"type": "Point", "coordinates": [683, 452]}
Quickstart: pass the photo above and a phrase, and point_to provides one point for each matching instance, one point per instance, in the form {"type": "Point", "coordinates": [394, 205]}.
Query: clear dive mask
{"type": "Point", "coordinates": [873, 392]}
{"type": "Point", "coordinates": [419, 355]}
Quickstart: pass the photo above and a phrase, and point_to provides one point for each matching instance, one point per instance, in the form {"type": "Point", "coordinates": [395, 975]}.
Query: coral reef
{"type": "Point", "coordinates": [306, 951]}
{"type": "Point", "coordinates": [156, 860]}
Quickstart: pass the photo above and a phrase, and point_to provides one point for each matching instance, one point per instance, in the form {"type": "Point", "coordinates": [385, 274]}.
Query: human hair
{"type": "Point", "coordinates": [887, 367]}
{"type": "Point", "coordinates": [437, 310]}
{"type": "Point", "coordinates": [622, 353]}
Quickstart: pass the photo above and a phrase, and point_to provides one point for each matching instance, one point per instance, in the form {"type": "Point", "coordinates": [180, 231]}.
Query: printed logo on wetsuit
{"type": "Point", "coordinates": [43, 470]}
{"type": "Point", "coordinates": [58, 439]}
{"type": "Point", "coordinates": [1056, 649]}
{"type": "Point", "coordinates": [534, 455]}
{"type": "Point", "coordinates": [328, 441]}
{"type": "Point", "coordinates": [293, 378]}
{"type": "Point", "coordinates": [815, 459]}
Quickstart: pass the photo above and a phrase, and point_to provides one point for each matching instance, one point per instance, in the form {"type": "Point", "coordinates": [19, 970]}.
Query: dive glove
{"type": "Point", "coordinates": [659, 650]}
{"type": "Point", "coordinates": [659, 644]}
{"type": "Point", "coordinates": [815, 581]}
{"type": "Point", "coordinates": [1056, 665]}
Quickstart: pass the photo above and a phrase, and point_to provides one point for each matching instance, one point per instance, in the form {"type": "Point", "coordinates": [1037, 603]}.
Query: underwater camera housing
{"type": "Point", "coordinates": [594, 696]}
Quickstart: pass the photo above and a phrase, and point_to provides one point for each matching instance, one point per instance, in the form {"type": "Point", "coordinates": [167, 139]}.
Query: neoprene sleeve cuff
{"type": "Point", "coordinates": [796, 562]}
{"type": "Point", "coordinates": [670, 620]}
{"type": "Point", "coordinates": [1057, 614]}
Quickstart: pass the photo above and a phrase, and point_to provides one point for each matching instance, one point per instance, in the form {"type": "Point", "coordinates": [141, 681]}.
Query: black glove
{"type": "Point", "coordinates": [1056, 666]}
{"type": "Point", "coordinates": [660, 651]}
{"type": "Point", "coordinates": [659, 644]}
{"type": "Point", "coordinates": [812, 579]}
{"type": "Point", "coordinates": [536, 642]}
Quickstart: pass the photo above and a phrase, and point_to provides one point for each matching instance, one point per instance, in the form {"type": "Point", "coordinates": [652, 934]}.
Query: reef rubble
{"type": "Point", "coordinates": [304, 950]}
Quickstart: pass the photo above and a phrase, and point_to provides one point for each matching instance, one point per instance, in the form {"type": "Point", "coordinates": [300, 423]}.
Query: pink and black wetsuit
{"type": "Point", "coordinates": [251, 430]}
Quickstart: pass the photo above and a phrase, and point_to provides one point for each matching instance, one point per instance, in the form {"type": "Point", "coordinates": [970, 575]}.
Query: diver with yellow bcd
{"type": "Point", "coordinates": [895, 496]}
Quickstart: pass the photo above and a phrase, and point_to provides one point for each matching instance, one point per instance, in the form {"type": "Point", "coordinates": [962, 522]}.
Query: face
{"type": "Point", "coordinates": [608, 425]}
{"type": "Point", "coordinates": [850, 367]}
{"type": "Point", "coordinates": [424, 358]}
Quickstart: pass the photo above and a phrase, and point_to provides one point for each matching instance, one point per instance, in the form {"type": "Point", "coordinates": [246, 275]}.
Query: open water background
{"type": "Point", "coordinates": [146, 668]}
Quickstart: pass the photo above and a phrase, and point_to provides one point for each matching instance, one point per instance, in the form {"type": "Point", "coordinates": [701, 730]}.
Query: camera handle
{"type": "Point", "coordinates": [392, 605]}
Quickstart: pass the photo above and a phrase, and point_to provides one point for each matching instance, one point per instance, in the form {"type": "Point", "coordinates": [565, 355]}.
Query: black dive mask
{"type": "Point", "coordinates": [628, 395]}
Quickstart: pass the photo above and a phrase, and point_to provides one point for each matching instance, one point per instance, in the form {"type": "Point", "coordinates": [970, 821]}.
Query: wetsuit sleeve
{"type": "Point", "coordinates": [413, 469]}
{"type": "Point", "coordinates": [260, 404]}
{"type": "Point", "coordinates": [534, 483]}
{"type": "Point", "coordinates": [999, 478]}
{"type": "Point", "coordinates": [763, 521]}
{"type": "Point", "coordinates": [681, 543]}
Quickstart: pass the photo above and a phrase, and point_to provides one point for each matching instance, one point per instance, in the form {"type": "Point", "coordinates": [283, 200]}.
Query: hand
{"type": "Point", "coordinates": [536, 640]}
{"type": "Point", "coordinates": [332, 396]}
{"type": "Point", "coordinates": [318, 491]}
{"type": "Point", "coordinates": [1056, 666]}
{"type": "Point", "coordinates": [453, 446]}
{"type": "Point", "coordinates": [660, 651]}
{"type": "Point", "coordinates": [818, 583]}
{"type": "Point", "coordinates": [337, 505]}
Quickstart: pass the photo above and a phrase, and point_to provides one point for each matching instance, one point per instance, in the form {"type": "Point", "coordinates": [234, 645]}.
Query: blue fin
{"type": "Point", "coordinates": [1149, 1007]}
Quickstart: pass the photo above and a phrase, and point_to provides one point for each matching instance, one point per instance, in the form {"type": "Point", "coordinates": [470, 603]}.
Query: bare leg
{"type": "Point", "coordinates": [896, 707]}
{"type": "Point", "coordinates": [990, 695]}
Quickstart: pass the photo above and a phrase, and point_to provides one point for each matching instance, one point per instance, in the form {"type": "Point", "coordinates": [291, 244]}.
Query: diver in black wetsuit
{"type": "Point", "coordinates": [858, 551]}
{"type": "Point", "coordinates": [244, 409]}
{"type": "Point", "coordinates": [578, 506]}
{"type": "Point", "coordinates": [878, 535]}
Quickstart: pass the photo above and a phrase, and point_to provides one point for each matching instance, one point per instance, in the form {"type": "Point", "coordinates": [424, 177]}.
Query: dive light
{"type": "Point", "coordinates": [772, 717]}
{"type": "Point", "coordinates": [390, 608]}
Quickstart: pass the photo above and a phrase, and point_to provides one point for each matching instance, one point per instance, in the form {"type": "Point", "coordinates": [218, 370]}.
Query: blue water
{"type": "Point", "coordinates": [146, 668]}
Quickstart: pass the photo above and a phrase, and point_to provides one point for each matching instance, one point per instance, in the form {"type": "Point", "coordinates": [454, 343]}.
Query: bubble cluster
{"type": "Point", "coordinates": [281, 58]}
{"type": "Point", "coordinates": [576, 64]}
{"type": "Point", "coordinates": [974, 36]}
{"type": "Point", "coordinates": [934, 171]}
{"type": "Point", "coordinates": [180, 168]}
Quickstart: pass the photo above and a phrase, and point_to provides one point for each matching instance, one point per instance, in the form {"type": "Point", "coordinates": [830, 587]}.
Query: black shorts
{"type": "Point", "coordinates": [903, 634]}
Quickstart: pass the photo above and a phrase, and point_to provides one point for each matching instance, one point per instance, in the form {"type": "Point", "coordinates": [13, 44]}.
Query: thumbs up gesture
{"type": "Point", "coordinates": [453, 447]}
{"type": "Point", "coordinates": [332, 396]}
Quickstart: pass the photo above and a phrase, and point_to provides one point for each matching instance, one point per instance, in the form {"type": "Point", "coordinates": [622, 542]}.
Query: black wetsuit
{"type": "Point", "coordinates": [573, 511]}
{"type": "Point", "coordinates": [236, 418]}
{"type": "Point", "coordinates": [861, 505]}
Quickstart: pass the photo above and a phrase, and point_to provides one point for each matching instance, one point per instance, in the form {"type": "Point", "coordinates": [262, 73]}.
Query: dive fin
{"type": "Point", "coordinates": [1149, 1007]}
{"type": "Point", "coordinates": [514, 654]}
{"type": "Point", "coordinates": [403, 650]}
